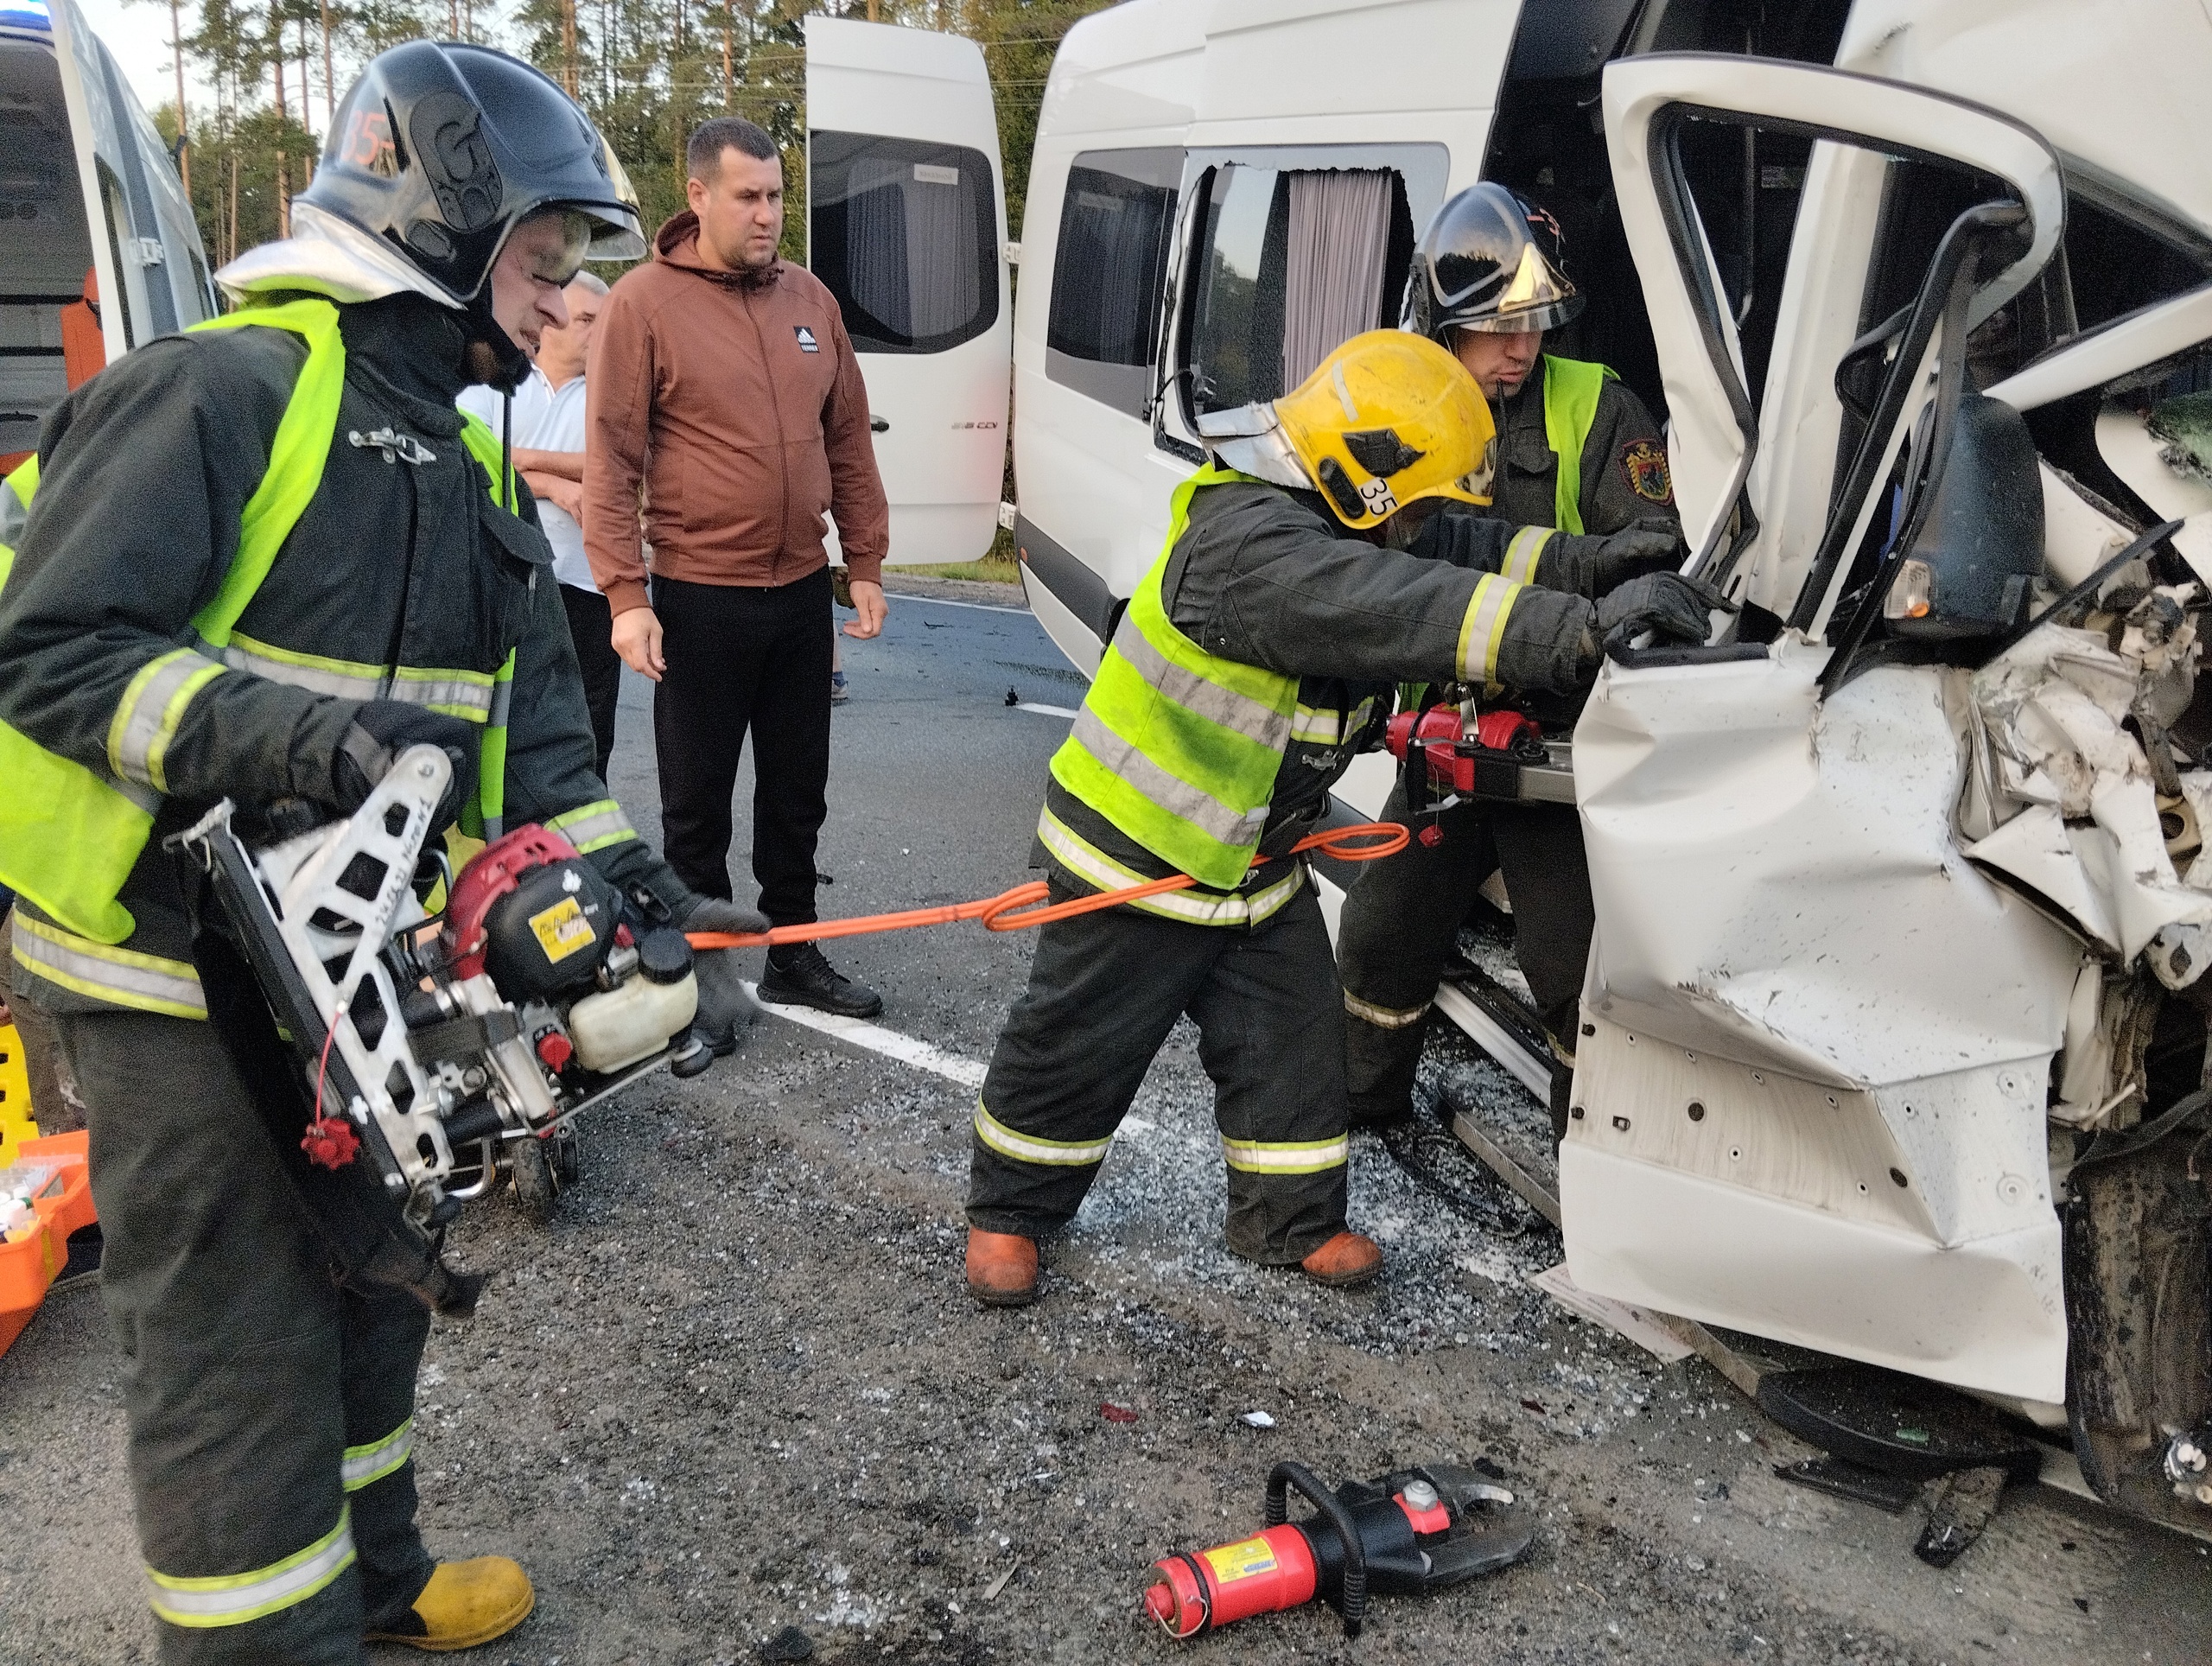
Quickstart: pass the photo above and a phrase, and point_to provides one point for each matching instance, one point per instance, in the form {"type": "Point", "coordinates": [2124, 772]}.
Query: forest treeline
{"type": "Point", "coordinates": [647, 71]}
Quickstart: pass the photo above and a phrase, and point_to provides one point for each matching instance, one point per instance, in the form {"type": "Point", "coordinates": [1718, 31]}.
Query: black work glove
{"type": "Point", "coordinates": [1672, 607]}
{"type": "Point", "coordinates": [380, 731]}
{"type": "Point", "coordinates": [725, 1009]}
{"type": "Point", "coordinates": [1594, 567]}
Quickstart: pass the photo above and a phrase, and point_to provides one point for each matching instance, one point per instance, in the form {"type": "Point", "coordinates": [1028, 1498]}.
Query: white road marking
{"type": "Point", "coordinates": [906, 1049]}
{"type": "Point", "coordinates": [1045, 711]}
{"type": "Point", "coordinates": [946, 602]}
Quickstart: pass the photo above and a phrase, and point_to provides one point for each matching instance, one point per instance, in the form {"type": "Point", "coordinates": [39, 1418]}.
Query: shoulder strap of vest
{"type": "Point", "coordinates": [296, 457]}
{"type": "Point", "coordinates": [484, 446]}
{"type": "Point", "coordinates": [1179, 501]}
{"type": "Point", "coordinates": [16, 495]}
{"type": "Point", "coordinates": [1572, 389]}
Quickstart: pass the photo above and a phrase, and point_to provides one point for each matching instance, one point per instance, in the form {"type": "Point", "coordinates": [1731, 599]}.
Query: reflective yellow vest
{"type": "Point", "coordinates": [70, 834]}
{"type": "Point", "coordinates": [1176, 747]}
{"type": "Point", "coordinates": [1572, 387]}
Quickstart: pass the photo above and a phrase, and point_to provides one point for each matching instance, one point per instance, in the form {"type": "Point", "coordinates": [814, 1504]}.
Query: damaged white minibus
{"type": "Point", "coordinates": [98, 249]}
{"type": "Point", "coordinates": [1894, 1028]}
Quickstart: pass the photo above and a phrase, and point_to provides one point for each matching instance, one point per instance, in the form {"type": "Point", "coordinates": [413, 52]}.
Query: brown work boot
{"type": "Point", "coordinates": [1002, 1268]}
{"type": "Point", "coordinates": [1347, 1259]}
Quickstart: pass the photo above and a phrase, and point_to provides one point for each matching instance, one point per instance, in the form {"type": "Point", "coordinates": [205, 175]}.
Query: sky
{"type": "Point", "coordinates": [138, 35]}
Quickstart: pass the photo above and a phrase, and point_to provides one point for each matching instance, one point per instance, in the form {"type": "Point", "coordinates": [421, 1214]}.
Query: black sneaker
{"type": "Point", "coordinates": [801, 976]}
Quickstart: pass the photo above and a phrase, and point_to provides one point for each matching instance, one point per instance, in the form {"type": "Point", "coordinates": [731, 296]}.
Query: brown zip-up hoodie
{"type": "Point", "coordinates": [733, 400]}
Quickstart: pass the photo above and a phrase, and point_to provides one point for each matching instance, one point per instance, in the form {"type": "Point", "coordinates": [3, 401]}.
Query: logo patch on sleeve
{"type": "Point", "coordinates": [1644, 463]}
{"type": "Point", "coordinates": [807, 342]}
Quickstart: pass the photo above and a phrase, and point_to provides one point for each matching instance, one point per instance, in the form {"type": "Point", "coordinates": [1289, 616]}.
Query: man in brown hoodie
{"type": "Point", "coordinates": [726, 406]}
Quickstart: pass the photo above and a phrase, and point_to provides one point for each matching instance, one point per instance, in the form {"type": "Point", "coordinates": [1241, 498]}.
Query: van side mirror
{"type": "Point", "coordinates": [1975, 547]}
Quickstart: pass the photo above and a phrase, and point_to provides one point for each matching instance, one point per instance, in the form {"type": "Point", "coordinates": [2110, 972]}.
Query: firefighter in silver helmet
{"type": "Point", "coordinates": [1581, 472]}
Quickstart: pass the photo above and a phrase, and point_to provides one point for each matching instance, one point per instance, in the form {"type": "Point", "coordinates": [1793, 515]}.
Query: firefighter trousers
{"type": "Point", "coordinates": [1401, 925]}
{"type": "Point", "coordinates": [271, 1412]}
{"type": "Point", "coordinates": [1105, 991]}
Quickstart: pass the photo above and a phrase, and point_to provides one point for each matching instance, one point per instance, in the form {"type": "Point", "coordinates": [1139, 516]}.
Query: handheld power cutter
{"type": "Point", "coordinates": [539, 991]}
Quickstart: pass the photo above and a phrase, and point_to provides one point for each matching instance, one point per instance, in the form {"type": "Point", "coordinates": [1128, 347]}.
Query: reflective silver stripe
{"type": "Point", "coordinates": [1524, 552]}
{"type": "Point", "coordinates": [1176, 797]}
{"type": "Point", "coordinates": [503, 696]}
{"type": "Point", "coordinates": [1217, 704]}
{"type": "Point", "coordinates": [475, 696]}
{"type": "Point", "coordinates": [1484, 626]}
{"type": "Point", "coordinates": [451, 692]}
{"type": "Point", "coordinates": [1029, 1149]}
{"type": "Point", "coordinates": [1193, 907]}
{"type": "Point", "coordinates": [15, 514]}
{"type": "Point", "coordinates": [235, 1599]}
{"type": "Point", "coordinates": [301, 670]}
{"type": "Point", "coordinates": [1383, 1018]}
{"type": "Point", "coordinates": [122, 978]}
{"type": "Point", "coordinates": [1327, 726]}
{"type": "Point", "coordinates": [1281, 1157]}
{"type": "Point", "coordinates": [594, 827]}
{"type": "Point", "coordinates": [152, 706]}
{"type": "Point", "coordinates": [363, 1465]}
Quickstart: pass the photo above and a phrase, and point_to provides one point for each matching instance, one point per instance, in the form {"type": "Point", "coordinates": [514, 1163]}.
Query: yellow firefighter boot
{"type": "Point", "coordinates": [465, 1604]}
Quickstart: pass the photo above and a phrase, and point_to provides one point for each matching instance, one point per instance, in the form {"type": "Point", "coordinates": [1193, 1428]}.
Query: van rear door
{"type": "Point", "coordinates": [99, 251]}
{"type": "Point", "coordinates": [907, 226]}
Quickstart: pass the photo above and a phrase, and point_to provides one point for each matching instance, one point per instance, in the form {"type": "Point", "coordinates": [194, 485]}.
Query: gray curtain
{"type": "Point", "coordinates": [911, 250]}
{"type": "Point", "coordinates": [1339, 238]}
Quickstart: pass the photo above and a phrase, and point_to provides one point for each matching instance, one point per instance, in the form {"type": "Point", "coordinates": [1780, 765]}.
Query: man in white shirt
{"type": "Point", "coordinates": [549, 453]}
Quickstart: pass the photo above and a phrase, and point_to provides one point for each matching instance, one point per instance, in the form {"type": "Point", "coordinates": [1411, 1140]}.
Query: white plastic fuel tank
{"type": "Point", "coordinates": [618, 1026]}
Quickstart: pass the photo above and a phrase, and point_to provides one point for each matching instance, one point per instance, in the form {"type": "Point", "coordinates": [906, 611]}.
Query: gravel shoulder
{"type": "Point", "coordinates": [736, 1384]}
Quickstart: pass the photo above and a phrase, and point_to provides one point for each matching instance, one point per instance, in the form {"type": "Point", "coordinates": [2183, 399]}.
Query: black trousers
{"type": "Point", "coordinates": [270, 1412]}
{"type": "Point", "coordinates": [744, 660]}
{"type": "Point", "coordinates": [1103, 991]}
{"type": "Point", "coordinates": [1402, 920]}
{"type": "Point", "coordinates": [591, 625]}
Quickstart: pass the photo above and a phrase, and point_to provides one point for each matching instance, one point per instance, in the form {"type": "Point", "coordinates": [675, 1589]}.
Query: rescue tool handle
{"type": "Point", "coordinates": [1361, 842]}
{"type": "Point", "coordinates": [1352, 1600]}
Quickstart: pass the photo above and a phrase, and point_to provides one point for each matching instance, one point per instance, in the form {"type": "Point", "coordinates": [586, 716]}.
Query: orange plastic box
{"type": "Point", "coordinates": [27, 1267]}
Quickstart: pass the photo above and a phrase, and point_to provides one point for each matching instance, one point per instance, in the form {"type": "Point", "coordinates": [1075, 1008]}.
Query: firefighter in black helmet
{"type": "Point", "coordinates": [261, 559]}
{"type": "Point", "coordinates": [1577, 453]}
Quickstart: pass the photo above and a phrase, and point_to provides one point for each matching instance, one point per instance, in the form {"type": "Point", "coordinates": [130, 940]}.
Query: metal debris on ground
{"type": "Point", "coordinates": [1960, 1509]}
{"type": "Point", "coordinates": [1258, 1419]}
{"type": "Point", "coordinates": [991, 1591]}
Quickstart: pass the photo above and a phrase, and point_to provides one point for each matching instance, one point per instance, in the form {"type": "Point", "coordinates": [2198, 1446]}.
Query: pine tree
{"type": "Point", "coordinates": [646, 72]}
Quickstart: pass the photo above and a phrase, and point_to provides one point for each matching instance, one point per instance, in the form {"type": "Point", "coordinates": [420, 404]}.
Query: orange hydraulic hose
{"type": "Point", "coordinates": [1343, 844]}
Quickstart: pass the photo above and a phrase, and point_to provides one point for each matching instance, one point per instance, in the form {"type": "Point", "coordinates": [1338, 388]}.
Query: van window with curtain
{"type": "Point", "coordinates": [1108, 274]}
{"type": "Point", "coordinates": [903, 234]}
{"type": "Point", "coordinates": [1289, 264]}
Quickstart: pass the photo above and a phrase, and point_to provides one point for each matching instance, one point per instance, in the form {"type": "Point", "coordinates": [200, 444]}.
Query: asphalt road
{"type": "Point", "coordinates": [736, 1386]}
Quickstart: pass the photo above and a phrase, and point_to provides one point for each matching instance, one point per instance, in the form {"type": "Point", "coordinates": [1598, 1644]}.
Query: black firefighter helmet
{"type": "Point", "coordinates": [442, 149]}
{"type": "Point", "coordinates": [1489, 261]}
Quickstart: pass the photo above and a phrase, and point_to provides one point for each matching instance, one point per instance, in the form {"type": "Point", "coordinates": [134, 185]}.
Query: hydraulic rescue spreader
{"type": "Point", "coordinates": [1500, 754]}
{"type": "Point", "coordinates": [1404, 1534]}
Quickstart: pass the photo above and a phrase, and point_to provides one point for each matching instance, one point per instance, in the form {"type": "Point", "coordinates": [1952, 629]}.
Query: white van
{"type": "Point", "coordinates": [1894, 1029]}
{"type": "Point", "coordinates": [98, 249]}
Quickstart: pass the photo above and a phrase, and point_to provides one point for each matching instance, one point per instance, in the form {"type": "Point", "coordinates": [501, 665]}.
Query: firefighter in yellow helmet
{"type": "Point", "coordinates": [1255, 658]}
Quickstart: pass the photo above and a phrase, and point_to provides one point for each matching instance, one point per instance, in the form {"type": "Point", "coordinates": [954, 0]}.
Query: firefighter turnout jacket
{"type": "Point", "coordinates": [234, 537]}
{"type": "Point", "coordinates": [1255, 660]}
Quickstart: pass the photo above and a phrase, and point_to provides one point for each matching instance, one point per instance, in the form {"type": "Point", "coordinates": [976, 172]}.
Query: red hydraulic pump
{"type": "Point", "coordinates": [1404, 1534]}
